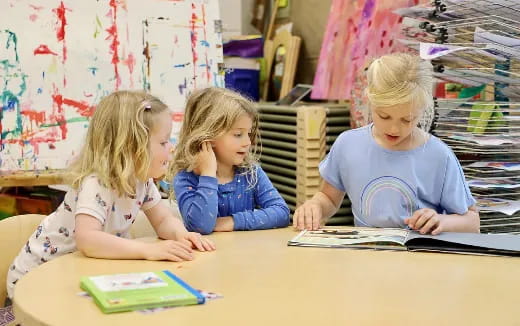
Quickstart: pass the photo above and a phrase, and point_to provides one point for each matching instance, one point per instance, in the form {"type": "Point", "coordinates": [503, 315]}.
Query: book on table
{"type": "Point", "coordinates": [134, 291]}
{"type": "Point", "coordinates": [403, 239]}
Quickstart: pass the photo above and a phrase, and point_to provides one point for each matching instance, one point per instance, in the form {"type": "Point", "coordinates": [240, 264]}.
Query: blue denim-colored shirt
{"type": "Point", "coordinates": [202, 200]}
{"type": "Point", "coordinates": [387, 186]}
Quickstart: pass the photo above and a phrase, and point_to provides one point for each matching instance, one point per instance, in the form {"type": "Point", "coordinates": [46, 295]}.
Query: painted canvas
{"type": "Point", "coordinates": [59, 57]}
{"type": "Point", "coordinates": [356, 32]}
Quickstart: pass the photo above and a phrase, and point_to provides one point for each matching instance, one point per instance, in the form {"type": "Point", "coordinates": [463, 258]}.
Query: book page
{"type": "Point", "coordinates": [134, 281]}
{"type": "Point", "coordinates": [350, 237]}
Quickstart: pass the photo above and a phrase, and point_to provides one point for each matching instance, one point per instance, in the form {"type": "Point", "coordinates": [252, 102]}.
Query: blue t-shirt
{"type": "Point", "coordinates": [387, 186]}
{"type": "Point", "coordinates": [202, 200]}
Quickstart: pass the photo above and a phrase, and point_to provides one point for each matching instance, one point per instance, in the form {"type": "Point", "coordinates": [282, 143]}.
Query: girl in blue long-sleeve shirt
{"type": "Point", "coordinates": [217, 182]}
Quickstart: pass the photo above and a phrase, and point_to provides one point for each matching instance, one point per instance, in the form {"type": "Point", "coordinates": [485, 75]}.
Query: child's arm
{"type": "Point", "coordinates": [427, 220]}
{"type": "Point", "coordinates": [316, 211]}
{"type": "Point", "coordinates": [455, 199]}
{"type": "Point", "coordinates": [197, 201]}
{"type": "Point", "coordinates": [169, 227]}
{"type": "Point", "coordinates": [93, 242]}
{"type": "Point", "coordinates": [272, 212]}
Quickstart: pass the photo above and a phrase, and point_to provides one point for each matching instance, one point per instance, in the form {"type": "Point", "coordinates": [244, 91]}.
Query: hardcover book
{"type": "Point", "coordinates": [134, 291]}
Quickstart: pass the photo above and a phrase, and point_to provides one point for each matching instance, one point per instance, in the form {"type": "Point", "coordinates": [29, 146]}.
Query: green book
{"type": "Point", "coordinates": [134, 291]}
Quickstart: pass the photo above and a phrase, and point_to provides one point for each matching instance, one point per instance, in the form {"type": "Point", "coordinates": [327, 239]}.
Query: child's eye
{"type": "Point", "coordinates": [384, 117]}
{"type": "Point", "coordinates": [164, 143]}
{"type": "Point", "coordinates": [238, 135]}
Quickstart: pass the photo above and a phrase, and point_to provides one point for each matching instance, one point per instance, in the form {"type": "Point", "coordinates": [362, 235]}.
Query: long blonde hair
{"type": "Point", "coordinates": [211, 112]}
{"type": "Point", "coordinates": [400, 78]}
{"type": "Point", "coordinates": [117, 147]}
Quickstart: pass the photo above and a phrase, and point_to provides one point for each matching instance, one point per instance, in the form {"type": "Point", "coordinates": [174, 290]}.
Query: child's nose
{"type": "Point", "coordinates": [394, 129]}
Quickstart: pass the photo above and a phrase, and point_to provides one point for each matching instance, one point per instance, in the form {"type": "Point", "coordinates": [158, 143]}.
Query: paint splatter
{"type": "Point", "coordinates": [43, 49]}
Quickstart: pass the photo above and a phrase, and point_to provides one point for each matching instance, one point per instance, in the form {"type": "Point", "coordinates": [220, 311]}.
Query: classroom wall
{"type": "Point", "coordinates": [309, 19]}
{"type": "Point", "coordinates": [236, 17]}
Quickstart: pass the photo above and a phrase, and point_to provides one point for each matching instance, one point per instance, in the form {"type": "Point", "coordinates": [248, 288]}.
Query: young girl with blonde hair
{"type": "Point", "coordinates": [394, 172]}
{"type": "Point", "coordinates": [127, 146]}
{"type": "Point", "coordinates": [217, 182]}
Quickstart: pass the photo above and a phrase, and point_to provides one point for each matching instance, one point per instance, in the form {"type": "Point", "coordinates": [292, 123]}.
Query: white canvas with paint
{"type": "Point", "coordinates": [59, 58]}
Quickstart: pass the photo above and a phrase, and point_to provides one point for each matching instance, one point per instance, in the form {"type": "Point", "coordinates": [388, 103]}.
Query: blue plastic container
{"type": "Point", "coordinates": [244, 81]}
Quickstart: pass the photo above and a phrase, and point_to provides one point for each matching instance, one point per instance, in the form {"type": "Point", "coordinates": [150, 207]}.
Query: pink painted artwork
{"type": "Point", "coordinates": [58, 58]}
{"type": "Point", "coordinates": [356, 32]}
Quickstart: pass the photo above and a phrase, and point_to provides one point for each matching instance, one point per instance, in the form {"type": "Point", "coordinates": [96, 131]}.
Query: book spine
{"type": "Point", "coordinates": [200, 298]}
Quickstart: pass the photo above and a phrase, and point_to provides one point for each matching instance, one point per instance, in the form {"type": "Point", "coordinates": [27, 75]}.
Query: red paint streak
{"type": "Point", "coordinates": [82, 107]}
{"type": "Point", "coordinates": [194, 18]}
{"type": "Point", "coordinates": [43, 49]}
{"type": "Point", "coordinates": [62, 21]}
{"type": "Point", "coordinates": [178, 116]}
{"type": "Point", "coordinates": [59, 117]}
{"type": "Point", "coordinates": [60, 31]}
{"type": "Point", "coordinates": [208, 73]}
{"type": "Point", "coordinates": [130, 63]}
{"type": "Point", "coordinates": [112, 34]}
{"type": "Point", "coordinates": [34, 115]}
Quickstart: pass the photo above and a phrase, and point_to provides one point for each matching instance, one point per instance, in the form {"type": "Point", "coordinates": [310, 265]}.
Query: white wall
{"type": "Point", "coordinates": [236, 17]}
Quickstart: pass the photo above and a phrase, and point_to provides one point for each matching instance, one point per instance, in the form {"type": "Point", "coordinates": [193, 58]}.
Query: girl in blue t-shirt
{"type": "Point", "coordinates": [217, 182]}
{"type": "Point", "coordinates": [394, 172]}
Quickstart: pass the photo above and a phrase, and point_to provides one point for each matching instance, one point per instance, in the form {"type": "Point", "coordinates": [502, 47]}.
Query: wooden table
{"type": "Point", "coordinates": [265, 282]}
{"type": "Point", "coordinates": [33, 178]}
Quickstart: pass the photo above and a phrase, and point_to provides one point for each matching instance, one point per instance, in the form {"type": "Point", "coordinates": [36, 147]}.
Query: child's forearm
{"type": "Point", "coordinates": [198, 204]}
{"type": "Point", "coordinates": [170, 228]}
{"type": "Point", "coordinates": [99, 244]}
{"type": "Point", "coordinates": [224, 224]}
{"type": "Point", "coordinates": [468, 222]}
{"type": "Point", "coordinates": [328, 207]}
{"type": "Point", "coordinates": [273, 216]}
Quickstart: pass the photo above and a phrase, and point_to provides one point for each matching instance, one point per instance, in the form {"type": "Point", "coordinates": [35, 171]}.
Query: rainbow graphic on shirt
{"type": "Point", "coordinates": [387, 187]}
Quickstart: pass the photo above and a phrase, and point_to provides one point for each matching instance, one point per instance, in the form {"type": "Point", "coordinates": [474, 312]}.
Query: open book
{"type": "Point", "coordinates": [401, 239]}
{"type": "Point", "coordinates": [133, 291]}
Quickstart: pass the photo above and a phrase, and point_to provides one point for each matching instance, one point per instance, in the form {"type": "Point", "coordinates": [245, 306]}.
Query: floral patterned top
{"type": "Point", "coordinates": [54, 237]}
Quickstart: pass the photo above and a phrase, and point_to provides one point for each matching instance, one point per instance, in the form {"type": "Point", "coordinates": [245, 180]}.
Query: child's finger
{"type": "Point", "coordinates": [315, 218]}
{"type": "Point", "coordinates": [429, 225]}
{"type": "Point", "coordinates": [437, 230]}
{"type": "Point", "coordinates": [183, 244]}
{"type": "Point", "coordinates": [413, 219]}
{"type": "Point", "coordinates": [182, 255]}
{"type": "Point", "coordinates": [300, 220]}
{"type": "Point", "coordinates": [308, 218]}
{"type": "Point", "coordinates": [295, 218]}
{"type": "Point", "coordinates": [421, 221]}
{"type": "Point", "coordinates": [172, 257]}
{"type": "Point", "coordinates": [205, 146]}
{"type": "Point", "coordinates": [208, 244]}
{"type": "Point", "coordinates": [197, 242]}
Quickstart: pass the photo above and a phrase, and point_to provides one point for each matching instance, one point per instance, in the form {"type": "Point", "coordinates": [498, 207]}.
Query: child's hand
{"type": "Point", "coordinates": [308, 216]}
{"type": "Point", "coordinates": [196, 240]}
{"type": "Point", "coordinates": [168, 250]}
{"type": "Point", "coordinates": [425, 220]}
{"type": "Point", "coordinates": [206, 160]}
